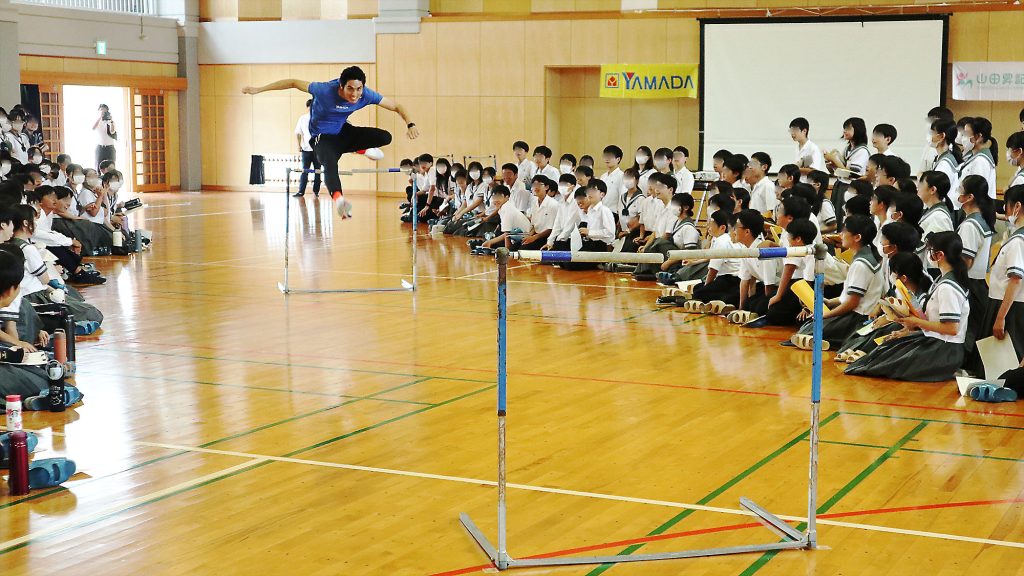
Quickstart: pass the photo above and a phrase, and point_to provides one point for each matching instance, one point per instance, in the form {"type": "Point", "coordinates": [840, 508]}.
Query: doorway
{"type": "Point", "coordinates": [80, 114]}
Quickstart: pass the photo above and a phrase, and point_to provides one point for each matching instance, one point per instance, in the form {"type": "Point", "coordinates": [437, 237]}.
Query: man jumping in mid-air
{"type": "Point", "coordinates": [331, 134]}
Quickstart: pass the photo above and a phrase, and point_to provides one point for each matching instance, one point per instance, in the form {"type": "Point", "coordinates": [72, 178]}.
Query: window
{"type": "Point", "coordinates": [148, 126]}
{"type": "Point", "coordinates": [50, 113]}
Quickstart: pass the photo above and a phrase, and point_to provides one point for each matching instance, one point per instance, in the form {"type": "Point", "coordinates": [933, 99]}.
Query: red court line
{"type": "Point", "coordinates": [591, 379]}
{"type": "Point", "coordinates": [730, 528]}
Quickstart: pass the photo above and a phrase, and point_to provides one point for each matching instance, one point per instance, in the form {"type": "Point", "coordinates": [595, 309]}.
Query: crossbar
{"type": "Point", "coordinates": [658, 258]}
{"type": "Point", "coordinates": [355, 171]}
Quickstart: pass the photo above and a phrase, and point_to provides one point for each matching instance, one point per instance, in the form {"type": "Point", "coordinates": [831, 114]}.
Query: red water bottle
{"type": "Point", "coordinates": [60, 346]}
{"type": "Point", "coordinates": [18, 478]}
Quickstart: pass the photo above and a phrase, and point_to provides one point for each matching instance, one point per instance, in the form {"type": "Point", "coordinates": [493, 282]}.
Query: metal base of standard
{"type": "Point", "coordinates": [792, 540]}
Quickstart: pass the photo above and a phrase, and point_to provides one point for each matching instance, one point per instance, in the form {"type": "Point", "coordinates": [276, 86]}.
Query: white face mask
{"type": "Point", "coordinates": [660, 164]}
{"type": "Point", "coordinates": [630, 184]}
{"type": "Point", "coordinates": [78, 179]}
{"type": "Point", "coordinates": [115, 185]}
{"type": "Point", "coordinates": [487, 180]}
{"type": "Point", "coordinates": [963, 140]}
{"type": "Point", "coordinates": [675, 210]}
{"type": "Point", "coordinates": [442, 170]}
{"type": "Point", "coordinates": [36, 159]}
{"type": "Point", "coordinates": [642, 159]}
{"type": "Point", "coordinates": [563, 189]}
{"type": "Point", "coordinates": [93, 182]}
{"type": "Point", "coordinates": [1013, 161]}
{"type": "Point", "coordinates": [474, 174]}
{"type": "Point", "coordinates": [565, 168]}
{"type": "Point", "coordinates": [5, 168]}
{"type": "Point", "coordinates": [17, 126]}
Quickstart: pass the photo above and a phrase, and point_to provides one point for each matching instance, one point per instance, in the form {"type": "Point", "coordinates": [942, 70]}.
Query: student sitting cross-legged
{"type": "Point", "coordinates": [861, 291]}
{"type": "Point", "coordinates": [543, 212]}
{"type": "Point", "coordinates": [680, 234]}
{"type": "Point", "coordinates": [514, 224]}
{"type": "Point", "coordinates": [784, 307]}
{"type": "Point", "coordinates": [722, 281]}
{"type": "Point", "coordinates": [759, 279]}
{"type": "Point", "coordinates": [928, 349]}
{"type": "Point", "coordinates": [596, 227]}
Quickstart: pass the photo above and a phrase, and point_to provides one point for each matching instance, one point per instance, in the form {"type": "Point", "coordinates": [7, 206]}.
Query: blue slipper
{"type": "Point", "coordinates": [50, 472]}
{"type": "Point", "coordinates": [5, 446]}
{"type": "Point", "coordinates": [990, 393]}
{"type": "Point", "coordinates": [86, 327]}
{"type": "Point", "coordinates": [72, 396]}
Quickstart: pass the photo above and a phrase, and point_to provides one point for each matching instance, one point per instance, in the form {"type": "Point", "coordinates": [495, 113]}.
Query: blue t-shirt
{"type": "Point", "coordinates": [330, 111]}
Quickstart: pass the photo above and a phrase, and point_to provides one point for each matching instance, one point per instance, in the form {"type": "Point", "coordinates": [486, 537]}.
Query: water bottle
{"type": "Point", "coordinates": [55, 373]}
{"type": "Point", "coordinates": [60, 346]}
{"type": "Point", "coordinates": [118, 239]}
{"type": "Point", "coordinates": [13, 407]}
{"type": "Point", "coordinates": [17, 481]}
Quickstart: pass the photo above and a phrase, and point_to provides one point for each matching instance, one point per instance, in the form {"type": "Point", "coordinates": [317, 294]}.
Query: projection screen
{"type": "Point", "coordinates": [759, 75]}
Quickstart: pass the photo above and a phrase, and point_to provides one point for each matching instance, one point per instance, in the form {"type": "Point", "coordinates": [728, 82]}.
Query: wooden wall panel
{"type": "Point", "coordinates": [233, 119]}
{"type": "Point", "coordinates": [271, 129]}
{"type": "Point", "coordinates": [643, 41]}
{"type": "Point", "coordinates": [534, 118]}
{"type": "Point", "coordinates": [501, 117]}
{"type": "Point", "coordinates": [683, 40]}
{"type": "Point", "coordinates": [300, 9]}
{"type": "Point", "coordinates": [547, 44]}
{"type": "Point", "coordinates": [208, 132]}
{"type": "Point", "coordinates": [458, 126]}
{"type": "Point", "coordinates": [607, 122]}
{"type": "Point", "coordinates": [172, 141]}
{"type": "Point", "coordinates": [594, 42]}
{"type": "Point", "coordinates": [416, 62]}
{"type": "Point", "coordinates": [457, 63]}
{"type": "Point", "coordinates": [1005, 41]}
{"type": "Point", "coordinates": [259, 10]}
{"type": "Point", "coordinates": [968, 37]}
{"type": "Point", "coordinates": [502, 67]}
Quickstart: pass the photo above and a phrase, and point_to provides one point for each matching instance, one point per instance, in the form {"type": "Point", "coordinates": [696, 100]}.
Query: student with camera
{"type": "Point", "coordinates": [106, 135]}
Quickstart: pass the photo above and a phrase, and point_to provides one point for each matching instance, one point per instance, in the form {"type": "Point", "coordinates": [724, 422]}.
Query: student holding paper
{"type": "Point", "coordinates": [1005, 315]}
{"type": "Point", "coordinates": [929, 349]}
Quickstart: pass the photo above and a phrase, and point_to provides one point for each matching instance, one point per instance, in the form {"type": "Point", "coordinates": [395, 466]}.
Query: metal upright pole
{"type": "Point", "coordinates": [287, 220]}
{"type": "Point", "coordinates": [812, 484]}
{"type": "Point", "coordinates": [415, 228]}
{"type": "Point", "coordinates": [502, 258]}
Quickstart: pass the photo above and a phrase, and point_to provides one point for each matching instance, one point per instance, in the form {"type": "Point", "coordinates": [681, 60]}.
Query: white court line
{"type": "Point", "coordinates": [495, 271]}
{"type": "Point", "coordinates": [154, 206]}
{"type": "Point", "coordinates": [206, 214]}
{"type": "Point", "coordinates": [257, 458]}
{"type": "Point", "coordinates": [80, 520]}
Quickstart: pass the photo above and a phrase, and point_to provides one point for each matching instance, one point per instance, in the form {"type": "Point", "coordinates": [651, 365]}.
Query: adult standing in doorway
{"type": "Point", "coordinates": [331, 133]}
{"type": "Point", "coordinates": [106, 136]}
{"type": "Point", "coordinates": [308, 157]}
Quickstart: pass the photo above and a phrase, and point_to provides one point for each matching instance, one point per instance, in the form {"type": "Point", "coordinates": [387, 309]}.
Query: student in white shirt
{"type": "Point", "coordinates": [808, 155]}
{"type": "Point", "coordinates": [541, 159]}
{"type": "Point", "coordinates": [309, 159]}
{"type": "Point", "coordinates": [106, 135]}
{"type": "Point", "coordinates": [521, 150]}
{"type": "Point", "coordinates": [762, 189]}
{"type": "Point", "coordinates": [567, 164]}
{"type": "Point", "coordinates": [854, 158]}
{"type": "Point", "coordinates": [584, 174]}
{"type": "Point", "coordinates": [882, 137]}
{"type": "Point", "coordinates": [1015, 156]}
{"type": "Point", "coordinates": [681, 235]}
{"type": "Point", "coordinates": [983, 152]}
{"type": "Point", "coordinates": [1005, 308]}
{"type": "Point", "coordinates": [683, 175]}
{"type": "Point", "coordinates": [663, 161]}
{"type": "Point", "coordinates": [569, 211]}
{"type": "Point", "coordinates": [436, 202]}
{"type": "Point", "coordinates": [942, 137]}
{"type": "Point", "coordinates": [513, 222]}
{"type": "Point", "coordinates": [473, 201]}
{"type": "Point", "coordinates": [613, 177]}
{"type": "Point", "coordinates": [861, 291]}
{"type": "Point", "coordinates": [588, 161]}
{"type": "Point", "coordinates": [759, 279]}
{"type": "Point", "coordinates": [521, 196]}
{"type": "Point", "coordinates": [654, 216]}
{"type": "Point", "coordinates": [543, 214]}
{"type": "Point", "coordinates": [644, 166]}
{"type": "Point", "coordinates": [722, 281]}
{"type": "Point", "coordinates": [784, 306]}
{"type": "Point", "coordinates": [976, 232]}
{"type": "Point", "coordinates": [718, 161]}
{"type": "Point", "coordinates": [929, 349]}
{"type": "Point", "coordinates": [596, 226]}
{"type": "Point", "coordinates": [17, 141]}
{"type": "Point", "coordinates": [733, 169]}
{"type": "Point", "coordinates": [67, 250]}
{"type": "Point", "coordinates": [823, 211]}
{"type": "Point", "coordinates": [933, 190]}
{"type": "Point", "coordinates": [929, 154]}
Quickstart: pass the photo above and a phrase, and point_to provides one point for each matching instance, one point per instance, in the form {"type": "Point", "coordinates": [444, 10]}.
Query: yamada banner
{"type": "Point", "coordinates": [988, 81]}
{"type": "Point", "coordinates": [648, 81]}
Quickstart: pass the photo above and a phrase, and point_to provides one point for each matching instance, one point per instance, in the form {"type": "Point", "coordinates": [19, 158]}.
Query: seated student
{"type": "Point", "coordinates": [929, 349]}
{"type": "Point", "coordinates": [861, 291]}
{"type": "Point", "coordinates": [10, 313]}
{"type": "Point", "coordinates": [759, 279]}
{"type": "Point", "coordinates": [405, 164]}
{"type": "Point", "coordinates": [462, 199]}
{"type": "Point", "coordinates": [567, 164]}
{"type": "Point", "coordinates": [942, 144]}
{"type": "Point", "coordinates": [543, 214]}
{"type": "Point", "coordinates": [522, 199]}
{"type": "Point", "coordinates": [655, 219]}
{"type": "Point", "coordinates": [65, 249]}
{"type": "Point", "coordinates": [784, 306]}
{"type": "Point", "coordinates": [443, 189]}
{"type": "Point", "coordinates": [588, 161]}
{"type": "Point", "coordinates": [513, 222]}
{"type": "Point", "coordinates": [629, 206]}
{"type": "Point", "coordinates": [63, 162]}
{"type": "Point", "coordinates": [644, 166]}
{"type": "Point", "coordinates": [541, 157]}
{"type": "Point", "coordinates": [1004, 314]}
{"type": "Point", "coordinates": [472, 204]}
{"type": "Point", "coordinates": [762, 189]}
{"type": "Point", "coordinates": [872, 169]}
{"type": "Point", "coordinates": [38, 285]}
{"type": "Point", "coordinates": [425, 177]}
{"type": "Point", "coordinates": [908, 269]}
{"type": "Point", "coordinates": [96, 239]}
{"type": "Point", "coordinates": [683, 175]}
{"type": "Point", "coordinates": [823, 208]}
{"type": "Point", "coordinates": [928, 155]}
{"type": "Point", "coordinates": [859, 204]}
{"type": "Point", "coordinates": [789, 175]}
{"type": "Point", "coordinates": [732, 171]}
{"type": "Point", "coordinates": [680, 234]}
{"type": "Point", "coordinates": [883, 204]}
{"type": "Point", "coordinates": [890, 170]}
{"type": "Point", "coordinates": [613, 179]}
{"type": "Point", "coordinates": [110, 183]}
{"type": "Point", "coordinates": [724, 201]}
{"type": "Point", "coordinates": [854, 158]}
{"type": "Point", "coordinates": [897, 238]}
{"type": "Point", "coordinates": [722, 281]}
{"type": "Point", "coordinates": [569, 212]}
{"type": "Point", "coordinates": [882, 137]}
{"type": "Point", "coordinates": [596, 226]}
{"type": "Point", "coordinates": [487, 221]}
{"type": "Point", "coordinates": [742, 198]}
{"type": "Point", "coordinates": [25, 381]}
{"type": "Point", "coordinates": [976, 233]}
{"type": "Point", "coordinates": [908, 208]}
{"type": "Point", "coordinates": [107, 166]}
{"type": "Point", "coordinates": [521, 150]}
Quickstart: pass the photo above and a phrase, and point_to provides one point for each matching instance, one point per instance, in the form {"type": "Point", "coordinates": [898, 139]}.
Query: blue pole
{"type": "Point", "coordinates": [819, 283]}
{"type": "Point", "coordinates": [501, 255]}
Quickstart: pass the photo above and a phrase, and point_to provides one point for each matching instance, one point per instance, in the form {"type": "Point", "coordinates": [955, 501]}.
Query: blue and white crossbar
{"type": "Point", "coordinates": [656, 258]}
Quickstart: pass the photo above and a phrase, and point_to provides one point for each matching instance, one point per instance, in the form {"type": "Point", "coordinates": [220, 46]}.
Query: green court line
{"type": "Point", "coordinates": [924, 451]}
{"type": "Point", "coordinates": [260, 388]}
{"type": "Point", "coordinates": [253, 467]}
{"type": "Point", "coordinates": [936, 421]}
{"type": "Point", "coordinates": [284, 364]}
{"type": "Point", "coordinates": [716, 493]}
{"type": "Point", "coordinates": [842, 492]}
{"type": "Point", "coordinates": [313, 413]}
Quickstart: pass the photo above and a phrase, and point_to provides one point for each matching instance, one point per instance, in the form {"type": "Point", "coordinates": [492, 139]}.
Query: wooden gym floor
{"type": "Point", "coordinates": [230, 430]}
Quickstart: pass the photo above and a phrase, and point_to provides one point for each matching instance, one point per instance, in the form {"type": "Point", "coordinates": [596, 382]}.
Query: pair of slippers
{"type": "Point", "coordinates": [72, 396]}
{"type": "Point", "coordinates": [805, 342]}
{"type": "Point", "coordinates": [741, 317]}
{"type": "Point", "coordinates": [45, 473]}
{"type": "Point", "coordinates": [849, 356]}
{"type": "Point", "coordinates": [992, 393]}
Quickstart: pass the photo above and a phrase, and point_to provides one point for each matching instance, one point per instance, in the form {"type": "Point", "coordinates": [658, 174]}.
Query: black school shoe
{"type": "Point", "coordinates": [645, 277]}
{"type": "Point", "coordinates": [88, 278]}
{"type": "Point", "coordinates": [666, 301]}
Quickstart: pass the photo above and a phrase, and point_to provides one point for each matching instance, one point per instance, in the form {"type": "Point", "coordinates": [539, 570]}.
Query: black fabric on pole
{"type": "Point", "coordinates": [256, 175]}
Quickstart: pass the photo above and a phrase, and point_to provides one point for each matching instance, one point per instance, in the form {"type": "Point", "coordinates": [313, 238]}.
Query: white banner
{"type": "Point", "coordinates": [988, 81]}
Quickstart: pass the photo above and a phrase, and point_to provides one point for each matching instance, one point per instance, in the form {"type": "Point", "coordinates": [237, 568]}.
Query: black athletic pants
{"type": "Point", "coordinates": [105, 153]}
{"type": "Point", "coordinates": [330, 147]}
{"type": "Point", "coordinates": [309, 160]}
